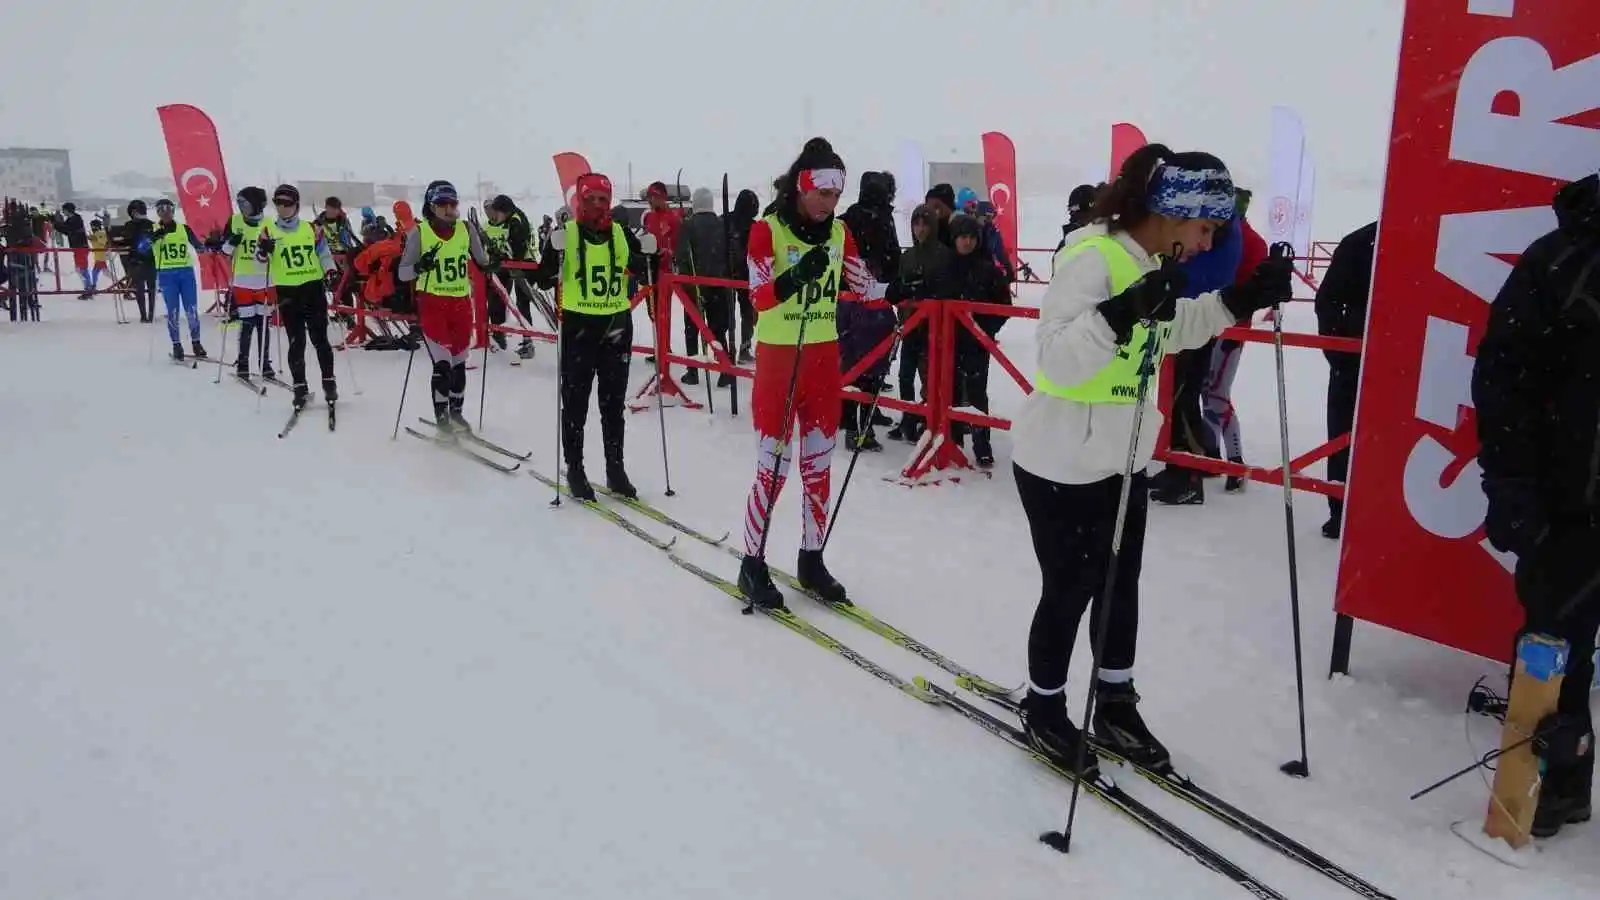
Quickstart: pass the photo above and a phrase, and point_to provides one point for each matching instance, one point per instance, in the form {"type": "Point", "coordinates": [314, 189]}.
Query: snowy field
{"type": "Point", "coordinates": [338, 665]}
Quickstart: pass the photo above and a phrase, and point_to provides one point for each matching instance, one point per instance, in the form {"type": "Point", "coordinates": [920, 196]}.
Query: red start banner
{"type": "Point", "coordinates": [1495, 107]}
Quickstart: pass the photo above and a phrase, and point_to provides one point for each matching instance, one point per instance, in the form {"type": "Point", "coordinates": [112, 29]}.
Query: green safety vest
{"type": "Point", "coordinates": [498, 237]}
{"type": "Point", "coordinates": [781, 324]}
{"type": "Point", "coordinates": [450, 276]}
{"type": "Point", "coordinates": [594, 277]}
{"type": "Point", "coordinates": [172, 250]}
{"type": "Point", "coordinates": [244, 253]}
{"type": "Point", "coordinates": [1118, 380]}
{"type": "Point", "coordinates": [294, 259]}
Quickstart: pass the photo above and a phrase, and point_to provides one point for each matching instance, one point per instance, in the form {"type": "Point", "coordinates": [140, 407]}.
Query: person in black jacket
{"type": "Point", "coordinates": [973, 277]}
{"type": "Point", "coordinates": [1536, 388]}
{"type": "Point", "coordinates": [69, 224]}
{"type": "Point", "coordinates": [510, 236]}
{"type": "Point", "coordinates": [740, 219]}
{"type": "Point", "coordinates": [1342, 312]}
{"type": "Point", "coordinates": [703, 251]}
{"type": "Point", "coordinates": [137, 258]}
{"type": "Point", "coordinates": [871, 221]}
{"type": "Point", "coordinates": [924, 275]}
{"type": "Point", "coordinates": [1079, 203]}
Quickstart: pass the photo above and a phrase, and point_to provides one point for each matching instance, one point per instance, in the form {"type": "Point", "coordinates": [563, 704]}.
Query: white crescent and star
{"type": "Point", "coordinates": [203, 197]}
{"type": "Point", "coordinates": [1000, 204]}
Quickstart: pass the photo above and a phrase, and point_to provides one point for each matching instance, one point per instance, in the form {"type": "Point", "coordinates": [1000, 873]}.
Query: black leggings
{"type": "Point", "coordinates": [595, 352]}
{"type": "Point", "coordinates": [304, 310]}
{"type": "Point", "coordinates": [1072, 528]}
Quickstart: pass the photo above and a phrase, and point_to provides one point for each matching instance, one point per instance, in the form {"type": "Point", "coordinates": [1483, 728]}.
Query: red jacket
{"type": "Point", "coordinates": [1255, 252]}
{"type": "Point", "coordinates": [664, 225]}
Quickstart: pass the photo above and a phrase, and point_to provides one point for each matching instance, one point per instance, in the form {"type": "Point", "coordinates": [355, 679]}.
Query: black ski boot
{"type": "Point", "coordinates": [1117, 722]}
{"type": "Point", "coordinates": [458, 421]}
{"type": "Point", "coordinates": [267, 370]}
{"type": "Point", "coordinates": [177, 351]}
{"type": "Point", "coordinates": [982, 449]}
{"type": "Point", "coordinates": [690, 376]}
{"type": "Point", "coordinates": [1235, 484]}
{"type": "Point", "coordinates": [199, 351]}
{"type": "Point", "coordinates": [814, 577]}
{"type": "Point", "coordinates": [242, 368]}
{"type": "Point", "coordinates": [1330, 528]}
{"type": "Point", "coordinates": [1566, 798]}
{"type": "Point", "coordinates": [617, 481]}
{"type": "Point", "coordinates": [525, 349]}
{"type": "Point", "coordinates": [441, 421]}
{"type": "Point", "coordinates": [302, 394]}
{"type": "Point", "coordinates": [755, 582]}
{"type": "Point", "coordinates": [724, 380]}
{"type": "Point", "coordinates": [1051, 732]}
{"type": "Point", "coordinates": [578, 483]}
{"type": "Point", "coordinates": [1182, 490]}
{"type": "Point", "coordinates": [330, 390]}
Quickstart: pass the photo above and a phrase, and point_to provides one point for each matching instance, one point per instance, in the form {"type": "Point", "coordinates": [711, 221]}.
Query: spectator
{"type": "Point", "coordinates": [973, 277]}
{"type": "Point", "coordinates": [510, 236]}
{"type": "Point", "coordinates": [1536, 387]}
{"type": "Point", "coordinates": [942, 197]}
{"type": "Point", "coordinates": [740, 219]}
{"type": "Point", "coordinates": [924, 275]}
{"type": "Point", "coordinates": [871, 221]}
{"type": "Point", "coordinates": [1079, 202]}
{"type": "Point", "coordinates": [1207, 271]}
{"type": "Point", "coordinates": [137, 259]}
{"type": "Point", "coordinates": [993, 244]}
{"type": "Point", "coordinates": [1217, 392]}
{"type": "Point", "coordinates": [663, 221]}
{"type": "Point", "coordinates": [1342, 312]}
{"type": "Point", "coordinates": [702, 250]}
{"type": "Point", "coordinates": [69, 224]}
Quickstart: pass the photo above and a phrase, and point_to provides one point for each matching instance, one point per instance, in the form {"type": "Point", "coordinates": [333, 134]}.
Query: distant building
{"type": "Point", "coordinates": [36, 176]}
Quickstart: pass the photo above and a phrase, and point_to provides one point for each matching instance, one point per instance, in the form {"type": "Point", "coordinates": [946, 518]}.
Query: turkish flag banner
{"type": "Point", "coordinates": [1495, 108]}
{"type": "Point", "coordinates": [1000, 171]}
{"type": "Point", "coordinates": [202, 182]}
{"type": "Point", "coordinates": [569, 166]}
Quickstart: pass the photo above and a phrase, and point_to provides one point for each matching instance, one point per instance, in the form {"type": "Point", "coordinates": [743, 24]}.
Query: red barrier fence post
{"type": "Point", "coordinates": [660, 297]}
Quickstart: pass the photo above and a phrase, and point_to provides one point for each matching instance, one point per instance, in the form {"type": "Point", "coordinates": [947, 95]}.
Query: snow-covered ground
{"type": "Point", "coordinates": [338, 665]}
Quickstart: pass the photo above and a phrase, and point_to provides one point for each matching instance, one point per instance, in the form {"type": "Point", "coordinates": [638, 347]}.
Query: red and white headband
{"type": "Point", "coordinates": [821, 180]}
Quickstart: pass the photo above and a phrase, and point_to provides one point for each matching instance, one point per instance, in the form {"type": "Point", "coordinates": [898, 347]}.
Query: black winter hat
{"type": "Point", "coordinates": [1081, 198]}
{"type": "Point", "coordinates": [68, 208]}
{"type": "Point", "coordinates": [943, 193]}
{"type": "Point", "coordinates": [255, 198]}
{"type": "Point", "coordinates": [502, 204]}
{"type": "Point", "coordinates": [286, 192]}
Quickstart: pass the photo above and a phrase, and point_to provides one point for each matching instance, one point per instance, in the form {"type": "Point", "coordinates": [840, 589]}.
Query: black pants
{"type": "Point", "coordinates": [304, 309]}
{"type": "Point", "coordinates": [747, 320]}
{"type": "Point", "coordinates": [913, 365]}
{"type": "Point", "coordinates": [713, 305]}
{"type": "Point", "coordinates": [247, 327]}
{"type": "Point", "coordinates": [1344, 376]}
{"type": "Point", "coordinates": [972, 389]}
{"type": "Point", "coordinates": [594, 348]}
{"type": "Point", "coordinates": [1558, 584]}
{"type": "Point", "coordinates": [519, 288]}
{"type": "Point", "coordinates": [143, 280]}
{"type": "Point", "coordinates": [1072, 528]}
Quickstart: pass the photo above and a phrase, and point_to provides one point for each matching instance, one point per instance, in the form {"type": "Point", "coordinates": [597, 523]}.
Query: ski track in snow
{"type": "Point", "coordinates": [337, 665]}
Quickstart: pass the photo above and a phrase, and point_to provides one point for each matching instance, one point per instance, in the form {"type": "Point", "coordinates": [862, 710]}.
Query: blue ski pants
{"type": "Point", "coordinates": [178, 287]}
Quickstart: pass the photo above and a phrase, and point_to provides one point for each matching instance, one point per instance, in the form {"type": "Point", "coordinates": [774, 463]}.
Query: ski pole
{"type": "Point", "coordinates": [855, 452]}
{"type": "Point", "coordinates": [561, 376]}
{"type": "Point", "coordinates": [483, 380]}
{"type": "Point", "coordinates": [404, 385]}
{"type": "Point", "coordinates": [1295, 768]}
{"type": "Point", "coordinates": [661, 374]}
{"type": "Point", "coordinates": [1062, 840]}
{"type": "Point", "coordinates": [349, 365]}
{"type": "Point", "coordinates": [222, 347]}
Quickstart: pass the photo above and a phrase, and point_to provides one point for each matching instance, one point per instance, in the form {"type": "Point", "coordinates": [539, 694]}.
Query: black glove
{"type": "Point", "coordinates": [1270, 284]}
{"type": "Point", "coordinates": [427, 262]}
{"type": "Point", "coordinates": [1517, 521]}
{"type": "Point", "coordinates": [903, 290]}
{"type": "Point", "coordinates": [810, 267]}
{"type": "Point", "coordinates": [265, 245]}
{"type": "Point", "coordinates": [1153, 297]}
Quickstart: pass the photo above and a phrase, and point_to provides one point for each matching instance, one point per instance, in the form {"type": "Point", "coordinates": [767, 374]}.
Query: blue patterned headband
{"type": "Point", "coordinates": [1191, 193]}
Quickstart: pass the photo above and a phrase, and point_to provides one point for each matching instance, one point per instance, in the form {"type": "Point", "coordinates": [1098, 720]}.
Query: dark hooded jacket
{"type": "Point", "coordinates": [974, 277]}
{"type": "Point", "coordinates": [1536, 383]}
{"type": "Point", "coordinates": [740, 218]}
{"type": "Point", "coordinates": [924, 273]}
{"type": "Point", "coordinates": [871, 222]}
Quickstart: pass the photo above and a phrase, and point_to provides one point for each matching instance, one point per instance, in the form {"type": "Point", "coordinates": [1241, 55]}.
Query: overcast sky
{"type": "Point", "coordinates": [418, 89]}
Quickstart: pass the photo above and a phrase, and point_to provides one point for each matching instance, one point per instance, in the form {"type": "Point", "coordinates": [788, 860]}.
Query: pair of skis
{"type": "Point", "coordinates": [461, 442]}
{"type": "Point", "coordinates": [1102, 787]}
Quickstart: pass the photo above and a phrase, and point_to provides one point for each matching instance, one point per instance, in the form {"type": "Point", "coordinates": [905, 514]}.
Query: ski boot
{"type": "Point", "coordinates": [1331, 528]}
{"type": "Point", "coordinates": [814, 577]}
{"type": "Point", "coordinates": [302, 395]}
{"type": "Point", "coordinates": [1117, 723]}
{"type": "Point", "coordinates": [690, 376]}
{"type": "Point", "coordinates": [1051, 732]}
{"type": "Point", "coordinates": [267, 371]}
{"type": "Point", "coordinates": [441, 421]}
{"type": "Point", "coordinates": [458, 421]}
{"type": "Point", "coordinates": [199, 351]}
{"type": "Point", "coordinates": [724, 380]}
{"type": "Point", "coordinates": [1566, 798]}
{"type": "Point", "coordinates": [525, 349]}
{"type": "Point", "coordinates": [499, 338]}
{"type": "Point", "coordinates": [1180, 490]}
{"type": "Point", "coordinates": [330, 390]}
{"type": "Point", "coordinates": [755, 583]}
{"type": "Point", "coordinates": [177, 351]}
{"type": "Point", "coordinates": [1235, 484]}
{"type": "Point", "coordinates": [618, 483]}
{"type": "Point", "coordinates": [241, 368]}
{"type": "Point", "coordinates": [578, 483]}
{"type": "Point", "coordinates": [982, 449]}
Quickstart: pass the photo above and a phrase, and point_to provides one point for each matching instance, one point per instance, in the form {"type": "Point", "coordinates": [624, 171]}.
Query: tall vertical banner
{"type": "Point", "coordinates": [1490, 110]}
{"type": "Point", "coordinates": [1000, 172]}
{"type": "Point", "coordinates": [569, 166]}
{"type": "Point", "coordinates": [1125, 138]}
{"type": "Point", "coordinates": [201, 179]}
{"type": "Point", "coordinates": [1287, 165]}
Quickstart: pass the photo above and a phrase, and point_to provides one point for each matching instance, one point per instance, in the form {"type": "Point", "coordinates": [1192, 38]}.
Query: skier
{"type": "Point", "coordinates": [251, 295]}
{"type": "Point", "coordinates": [590, 273]}
{"type": "Point", "coordinates": [510, 236]}
{"type": "Point", "coordinates": [300, 271]}
{"type": "Point", "coordinates": [134, 239]}
{"type": "Point", "coordinates": [171, 242]}
{"type": "Point", "coordinates": [1536, 387]}
{"type": "Point", "coordinates": [1114, 292]}
{"type": "Point", "coordinates": [801, 258]}
{"type": "Point", "coordinates": [436, 259]}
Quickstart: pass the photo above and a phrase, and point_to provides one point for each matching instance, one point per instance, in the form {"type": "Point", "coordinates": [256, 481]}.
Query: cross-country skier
{"type": "Point", "coordinates": [300, 270]}
{"type": "Point", "coordinates": [1116, 289]}
{"type": "Point", "coordinates": [251, 295]}
{"type": "Point", "coordinates": [172, 242]}
{"type": "Point", "coordinates": [511, 236]}
{"type": "Point", "coordinates": [597, 256]}
{"type": "Point", "coordinates": [1536, 386]}
{"type": "Point", "coordinates": [801, 258]}
{"type": "Point", "coordinates": [437, 258]}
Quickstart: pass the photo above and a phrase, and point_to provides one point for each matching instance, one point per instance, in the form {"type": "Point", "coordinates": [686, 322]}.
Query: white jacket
{"type": "Point", "coordinates": [1079, 443]}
